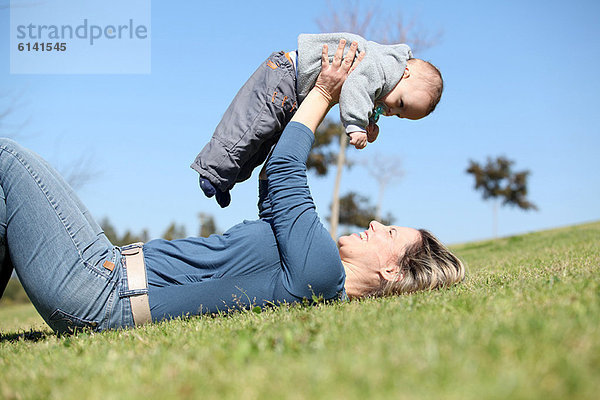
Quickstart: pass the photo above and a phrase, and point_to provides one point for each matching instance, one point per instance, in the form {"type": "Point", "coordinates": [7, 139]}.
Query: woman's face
{"type": "Point", "coordinates": [377, 247]}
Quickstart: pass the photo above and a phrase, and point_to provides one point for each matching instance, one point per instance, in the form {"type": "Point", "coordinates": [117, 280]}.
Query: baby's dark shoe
{"type": "Point", "coordinates": [207, 187]}
{"type": "Point", "coordinates": [223, 198]}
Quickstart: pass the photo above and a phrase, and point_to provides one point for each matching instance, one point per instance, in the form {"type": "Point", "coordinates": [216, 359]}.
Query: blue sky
{"type": "Point", "coordinates": [520, 80]}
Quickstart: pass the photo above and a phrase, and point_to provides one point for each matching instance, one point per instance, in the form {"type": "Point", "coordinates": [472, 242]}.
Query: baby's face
{"type": "Point", "coordinates": [408, 99]}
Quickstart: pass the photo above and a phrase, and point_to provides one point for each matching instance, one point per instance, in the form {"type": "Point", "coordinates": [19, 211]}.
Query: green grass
{"type": "Point", "coordinates": [524, 325]}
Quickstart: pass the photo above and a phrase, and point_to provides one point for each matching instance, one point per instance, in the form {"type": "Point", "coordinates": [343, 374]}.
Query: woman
{"type": "Point", "coordinates": [76, 278]}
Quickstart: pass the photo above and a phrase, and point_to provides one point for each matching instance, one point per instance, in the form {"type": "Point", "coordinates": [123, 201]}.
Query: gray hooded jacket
{"type": "Point", "coordinates": [375, 76]}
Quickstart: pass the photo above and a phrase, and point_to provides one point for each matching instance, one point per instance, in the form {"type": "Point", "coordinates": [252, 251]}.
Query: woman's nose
{"type": "Point", "coordinates": [374, 224]}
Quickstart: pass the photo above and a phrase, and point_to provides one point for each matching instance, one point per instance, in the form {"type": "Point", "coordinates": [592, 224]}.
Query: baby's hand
{"type": "Point", "coordinates": [372, 132]}
{"type": "Point", "coordinates": [358, 139]}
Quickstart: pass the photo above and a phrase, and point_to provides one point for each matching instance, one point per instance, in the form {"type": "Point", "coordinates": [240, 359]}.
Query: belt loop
{"type": "Point", "coordinates": [136, 280]}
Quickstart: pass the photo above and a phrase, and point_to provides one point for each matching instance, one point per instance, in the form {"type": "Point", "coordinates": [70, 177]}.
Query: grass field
{"type": "Point", "coordinates": [524, 325]}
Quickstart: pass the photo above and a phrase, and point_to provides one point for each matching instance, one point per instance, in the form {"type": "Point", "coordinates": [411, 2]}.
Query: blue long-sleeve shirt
{"type": "Point", "coordinates": [285, 256]}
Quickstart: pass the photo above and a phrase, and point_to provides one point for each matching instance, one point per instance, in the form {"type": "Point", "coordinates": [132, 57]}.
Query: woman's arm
{"type": "Point", "coordinates": [317, 103]}
{"type": "Point", "coordinates": [310, 260]}
{"type": "Point", "coordinates": [326, 91]}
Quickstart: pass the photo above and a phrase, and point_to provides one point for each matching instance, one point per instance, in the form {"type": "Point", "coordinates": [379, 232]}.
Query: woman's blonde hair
{"type": "Point", "coordinates": [428, 264]}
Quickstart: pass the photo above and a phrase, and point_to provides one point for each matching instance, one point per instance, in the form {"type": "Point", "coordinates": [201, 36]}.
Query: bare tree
{"type": "Point", "coordinates": [370, 22]}
{"type": "Point", "coordinates": [386, 170]}
{"type": "Point", "coordinates": [9, 102]}
{"type": "Point", "coordinates": [373, 23]}
{"type": "Point", "coordinates": [78, 172]}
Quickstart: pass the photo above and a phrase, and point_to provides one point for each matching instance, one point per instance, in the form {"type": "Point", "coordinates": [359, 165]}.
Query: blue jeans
{"type": "Point", "coordinates": [56, 248]}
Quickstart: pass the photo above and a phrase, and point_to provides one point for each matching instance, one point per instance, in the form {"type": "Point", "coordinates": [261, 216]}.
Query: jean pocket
{"type": "Point", "coordinates": [105, 264]}
{"type": "Point", "coordinates": [63, 322]}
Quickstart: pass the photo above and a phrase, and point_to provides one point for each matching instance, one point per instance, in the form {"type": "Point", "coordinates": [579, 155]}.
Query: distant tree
{"type": "Point", "coordinates": [357, 211]}
{"type": "Point", "coordinates": [109, 231]}
{"type": "Point", "coordinates": [207, 225]}
{"type": "Point", "coordinates": [14, 293]}
{"type": "Point", "coordinates": [326, 149]}
{"type": "Point", "coordinates": [331, 144]}
{"type": "Point", "coordinates": [497, 181]}
{"type": "Point", "coordinates": [130, 237]}
{"type": "Point", "coordinates": [371, 22]}
{"type": "Point", "coordinates": [174, 231]}
{"type": "Point", "coordinates": [127, 238]}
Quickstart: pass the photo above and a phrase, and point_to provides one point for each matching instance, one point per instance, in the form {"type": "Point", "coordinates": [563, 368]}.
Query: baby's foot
{"type": "Point", "coordinates": [223, 198]}
{"type": "Point", "coordinates": [207, 187]}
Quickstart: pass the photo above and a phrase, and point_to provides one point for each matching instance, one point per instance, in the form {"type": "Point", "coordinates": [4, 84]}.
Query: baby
{"type": "Point", "coordinates": [414, 97]}
{"type": "Point", "coordinates": [387, 82]}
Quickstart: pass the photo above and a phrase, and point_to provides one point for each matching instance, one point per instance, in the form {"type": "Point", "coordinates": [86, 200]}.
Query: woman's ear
{"type": "Point", "coordinates": [391, 273]}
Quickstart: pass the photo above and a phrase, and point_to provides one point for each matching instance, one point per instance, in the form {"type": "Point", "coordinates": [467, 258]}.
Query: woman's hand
{"type": "Point", "coordinates": [330, 80]}
{"type": "Point", "coordinates": [326, 91]}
